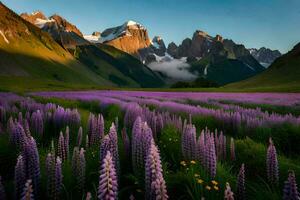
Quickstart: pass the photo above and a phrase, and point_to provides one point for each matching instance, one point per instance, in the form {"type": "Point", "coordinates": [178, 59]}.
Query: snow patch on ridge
{"type": "Point", "coordinates": [92, 38]}
{"type": "Point", "coordinates": [120, 31]}
{"type": "Point", "coordinates": [42, 22]}
{"type": "Point", "coordinates": [5, 39]}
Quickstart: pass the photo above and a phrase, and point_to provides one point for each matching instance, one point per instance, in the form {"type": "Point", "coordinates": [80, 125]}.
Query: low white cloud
{"type": "Point", "coordinates": [174, 68]}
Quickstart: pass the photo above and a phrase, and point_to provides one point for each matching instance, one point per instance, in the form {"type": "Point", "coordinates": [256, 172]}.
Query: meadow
{"type": "Point", "coordinates": [149, 145]}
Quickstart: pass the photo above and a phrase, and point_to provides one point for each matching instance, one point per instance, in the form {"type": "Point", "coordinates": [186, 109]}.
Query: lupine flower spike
{"type": "Point", "coordinates": [108, 183]}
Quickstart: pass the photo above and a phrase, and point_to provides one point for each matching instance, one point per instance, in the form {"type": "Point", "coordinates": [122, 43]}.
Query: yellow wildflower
{"type": "Point", "coordinates": [193, 162]}
{"type": "Point", "coordinates": [214, 182]}
{"type": "Point", "coordinates": [200, 181]}
{"type": "Point", "coordinates": [183, 163]}
{"type": "Point", "coordinates": [196, 175]}
{"type": "Point", "coordinates": [208, 187]}
{"type": "Point", "coordinates": [216, 187]}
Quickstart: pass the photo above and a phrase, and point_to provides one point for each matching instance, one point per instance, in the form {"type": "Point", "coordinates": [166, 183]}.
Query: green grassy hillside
{"type": "Point", "coordinates": [282, 75]}
{"type": "Point", "coordinates": [131, 67]}
{"type": "Point", "coordinates": [33, 58]}
{"type": "Point", "coordinates": [28, 53]}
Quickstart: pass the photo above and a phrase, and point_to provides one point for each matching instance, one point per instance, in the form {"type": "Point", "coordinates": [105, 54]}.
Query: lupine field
{"type": "Point", "coordinates": [149, 145]}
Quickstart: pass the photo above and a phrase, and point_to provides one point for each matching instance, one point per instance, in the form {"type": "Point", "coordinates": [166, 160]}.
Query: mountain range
{"type": "Point", "coordinates": [52, 52]}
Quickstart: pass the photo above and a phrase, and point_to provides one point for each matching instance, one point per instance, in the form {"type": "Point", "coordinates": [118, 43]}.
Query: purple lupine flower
{"type": "Point", "coordinates": [104, 147]}
{"type": "Point", "coordinates": [232, 149]}
{"type": "Point", "coordinates": [92, 129]}
{"type": "Point", "coordinates": [126, 142]}
{"type": "Point", "coordinates": [37, 123]}
{"type": "Point", "coordinates": [20, 118]}
{"type": "Point", "coordinates": [228, 194]}
{"type": "Point", "coordinates": [50, 171]}
{"type": "Point", "coordinates": [108, 184]}
{"type": "Point", "coordinates": [18, 136]}
{"type": "Point", "coordinates": [201, 148]}
{"type": "Point", "coordinates": [133, 111]}
{"type": "Point", "coordinates": [290, 190]}
{"type": "Point", "coordinates": [58, 178]}
{"type": "Point", "coordinates": [211, 159]}
{"type": "Point", "coordinates": [79, 137]}
{"type": "Point", "coordinates": [32, 162]}
{"type": "Point", "coordinates": [88, 196]}
{"type": "Point", "coordinates": [75, 159]}
{"type": "Point", "coordinates": [155, 185]}
{"type": "Point", "coordinates": [189, 142]}
{"type": "Point", "coordinates": [113, 136]}
{"type": "Point", "coordinates": [28, 191]}
{"type": "Point", "coordinates": [81, 170]}
{"type": "Point", "coordinates": [26, 128]}
{"type": "Point", "coordinates": [78, 167]}
{"type": "Point", "coordinates": [2, 191]}
{"type": "Point", "coordinates": [142, 140]}
{"type": "Point", "coordinates": [20, 177]}
{"type": "Point", "coordinates": [272, 164]}
{"type": "Point", "coordinates": [61, 151]}
{"type": "Point", "coordinates": [241, 189]}
{"type": "Point", "coordinates": [67, 141]}
{"type": "Point", "coordinates": [2, 114]}
{"type": "Point", "coordinates": [10, 126]}
{"type": "Point", "coordinates": [99, 128]}
{"type": "Point", "coordinates": [224, 147]}
{"type": "Point", "coordinates": [136, 132]}
{"type": "Point", "coordinates": [73, 119]}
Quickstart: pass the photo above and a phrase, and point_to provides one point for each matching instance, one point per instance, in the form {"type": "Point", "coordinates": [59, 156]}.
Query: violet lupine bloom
{"type": "Point", "coordinates": [142, 137]}
{"type": "Point", "coordinates": [20, 118]}
{"type": "Point", "coordinates": [61, 148]}
{"type": "Point", "coordinates": [58, 178]}
{"type": "Point", "coordinates": [2, 191]}
{"type": "Point", "coordinates": [67, 142]}
{"type": "Point", "coordinates": [37, 123]}
{"type": "Point", "coordinates": [290, 190]}
{"type": "Point", "coordinates": [20, 177]}
{"type": "Point", "coordinates": [228, 194]}
{"type": "Point", "coordinates": [100, 128]}
{"type": "Point", "coordinates": [50, 171]}
{"type": "Point", "coordinates": [272, 164]}
{"type": "Point", "coordinates": [189, 142]}
{"type": "Point", "coordinates": [201, 148]}
{"type": "Point", "coordinates": [108, 183]}
{"type": "Point", "coordinates": [155, 186]}
{"type": "Point", "coordinates": [211, 158]}
{"type": "Point", "coordinates": [79, 137]}
{"type": "Point", "coordinates": [136, 132]}
{"type": "Point", "coordinates": [92, 129]}
{"type": "Point", "coordinates": [28, 191]}
{"type": "Point", "coordinates": [126, 142]}
{"type": "Point", "coordinates": [113, 136]}
{"type": "Point", "coordinates": [88, 196]}
{"type": "Point", "coordinates": [26, 128]}
{"type": "Point", "coordinates": [18, 136]}
{"type": "Point", "coordinates": [133, 111]}
{"type": "Point", "coordinates": [10, 125]}
{"type": "Point", "coordinates": [31, 157]}
{"type": "Point", "coordinates": [232, 149]}
{"type": "Point", "coordinates": [241, 189]}
{"type": "Point", "coordinates": [104, 147]}
{"type": "Point", "coordinates": [78, 167]}
{"type": "Point", "coordinates": [81, 170]}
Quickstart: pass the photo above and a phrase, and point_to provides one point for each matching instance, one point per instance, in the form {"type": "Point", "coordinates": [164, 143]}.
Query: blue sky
{"type": "Point", "coordinates": [271, 23]}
